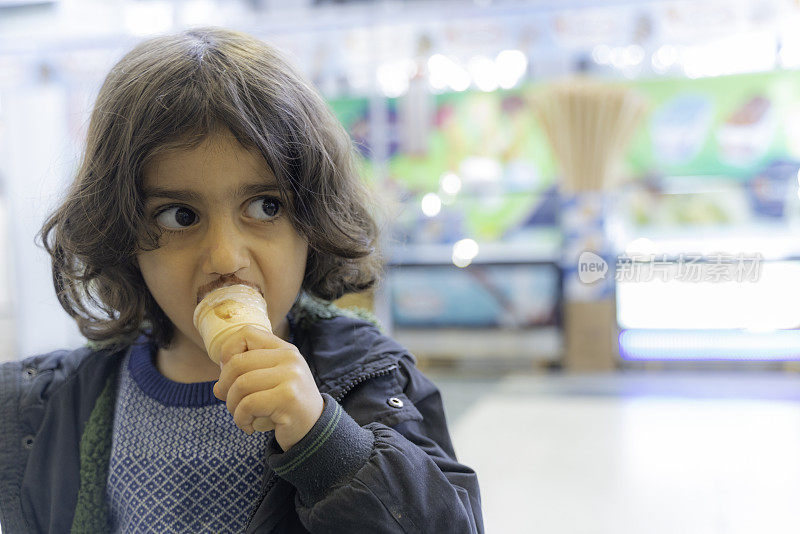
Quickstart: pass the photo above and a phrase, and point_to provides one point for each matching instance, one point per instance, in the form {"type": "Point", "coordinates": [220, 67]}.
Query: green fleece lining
{"type": "Point", "coordinates": [308, 310]}
{"type": "Point", "coordinates": [91, 510]}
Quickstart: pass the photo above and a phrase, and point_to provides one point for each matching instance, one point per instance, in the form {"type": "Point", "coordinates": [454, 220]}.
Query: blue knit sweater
{"type": "Point", "coordinates": [178, 461]}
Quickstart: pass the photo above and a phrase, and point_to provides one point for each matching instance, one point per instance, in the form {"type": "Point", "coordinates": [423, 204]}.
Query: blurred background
{"type": "Point", "coordinates": [595, 250]}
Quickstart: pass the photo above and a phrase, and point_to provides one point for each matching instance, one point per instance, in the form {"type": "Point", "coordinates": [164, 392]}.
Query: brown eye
{"type": "Point", "coordinates": [264, 208]}
{"type": "Point", "coordinates": [176, 217]}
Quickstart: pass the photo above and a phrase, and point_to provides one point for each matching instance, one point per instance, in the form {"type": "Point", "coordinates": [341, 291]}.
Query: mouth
{"type": "Point", "coordinates": [224, 281]}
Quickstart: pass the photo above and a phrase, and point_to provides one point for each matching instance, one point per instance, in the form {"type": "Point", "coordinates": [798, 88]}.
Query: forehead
{"type": "Point", "coordinates": [219, 169]}
{"type": "Point", "coordinates": [218, 160]}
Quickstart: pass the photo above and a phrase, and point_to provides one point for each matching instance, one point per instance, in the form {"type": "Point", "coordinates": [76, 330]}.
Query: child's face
{"type": "Point", "coordinates": [220, 209]}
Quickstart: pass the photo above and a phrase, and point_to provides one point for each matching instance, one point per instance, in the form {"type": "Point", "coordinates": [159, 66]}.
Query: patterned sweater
{"type": "Point", "coordinates": [178, 462]}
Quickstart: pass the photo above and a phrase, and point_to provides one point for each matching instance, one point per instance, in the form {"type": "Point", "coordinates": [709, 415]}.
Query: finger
{"type": "Point", "coordinates": [256, 405]}
{"type": "Point", "coordinates": [263, 424]}
{"type": "Point", "coordinates": [243, 363]}
{"type": "Point", "coordinates": [248, 338]}
{"type": "Point", "coordinates": [250, 383]}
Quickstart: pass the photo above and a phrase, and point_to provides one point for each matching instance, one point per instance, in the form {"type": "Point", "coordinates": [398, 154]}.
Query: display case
{"type": "Point", "coordinates": [502, 307]}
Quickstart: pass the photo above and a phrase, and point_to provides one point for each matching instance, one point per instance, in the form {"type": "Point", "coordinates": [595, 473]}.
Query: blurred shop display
{"type": "Point", "coordinates": [509, 296]}
{"type": "Point", "coordinates": [725, 204]}
{"type": "Point", "coordinates": [440, 98]}
{"type": "Point", "coordinates": [720, 307]}
{"type": "Point", "coordinates": [481, 311]}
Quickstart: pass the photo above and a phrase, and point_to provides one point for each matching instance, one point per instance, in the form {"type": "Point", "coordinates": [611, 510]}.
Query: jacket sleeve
{"type": "Point", "coordinates": [13, 453]}
{"type": "Point", "coordinates": [382, 462]}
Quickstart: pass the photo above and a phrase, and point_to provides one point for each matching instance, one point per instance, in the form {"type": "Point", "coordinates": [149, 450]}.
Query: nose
{"type": "Point", "coordinates": [224, 248]}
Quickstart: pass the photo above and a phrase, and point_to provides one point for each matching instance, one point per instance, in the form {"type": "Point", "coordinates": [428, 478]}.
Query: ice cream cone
{"type": "Point", "coordinates": [225, 311]}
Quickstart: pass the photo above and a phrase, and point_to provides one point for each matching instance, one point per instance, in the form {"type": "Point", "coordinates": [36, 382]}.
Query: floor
{"type": "Point", "coordinates": [669, 452]}
{"type": "Point", "coordinates": [662, 453]}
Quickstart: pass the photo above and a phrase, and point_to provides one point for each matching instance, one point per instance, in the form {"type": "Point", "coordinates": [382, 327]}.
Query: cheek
{"type": "Point", "coordinates": [150, 267]}
{"type": "Point", "coordinates": [300, 256]}
{"type": "Point", "coordinates": [159, 274]}
{"type": "Point", "coordinates": [302, 250]}
{"type": "Point", "coordinates": [287, 263]}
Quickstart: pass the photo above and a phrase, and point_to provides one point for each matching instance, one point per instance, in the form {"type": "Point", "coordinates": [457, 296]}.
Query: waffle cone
{"type": "Point", "coordinates": [227, 310]}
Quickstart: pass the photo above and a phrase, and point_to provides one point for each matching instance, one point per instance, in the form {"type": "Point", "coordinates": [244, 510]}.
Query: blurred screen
{"type": "Point", "coordinates": [480, 296]}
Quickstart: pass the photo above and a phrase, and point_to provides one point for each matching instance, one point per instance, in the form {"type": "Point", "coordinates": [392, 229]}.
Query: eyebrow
{"type": "Point", "coordinates": [187, 195]}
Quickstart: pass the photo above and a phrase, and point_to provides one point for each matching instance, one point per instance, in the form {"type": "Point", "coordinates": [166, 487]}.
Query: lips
{"type": "Point", "coordinates": [224, 281]}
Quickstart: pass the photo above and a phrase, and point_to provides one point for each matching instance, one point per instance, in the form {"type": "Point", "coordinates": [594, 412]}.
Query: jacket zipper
{"type": "Point", "coordinates": [363, 378]}
{"type": "Point", "coordinates": [338, 398]}
{"type": "Point", "coordinates": [270, 482]}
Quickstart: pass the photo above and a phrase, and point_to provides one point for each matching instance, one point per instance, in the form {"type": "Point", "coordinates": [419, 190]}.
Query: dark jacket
{"type": "Point", "coordinates": [389, 465]}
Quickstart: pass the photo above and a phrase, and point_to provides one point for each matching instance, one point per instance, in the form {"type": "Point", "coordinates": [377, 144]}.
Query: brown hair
{"type": "Point", "coordinates": [170, 93]}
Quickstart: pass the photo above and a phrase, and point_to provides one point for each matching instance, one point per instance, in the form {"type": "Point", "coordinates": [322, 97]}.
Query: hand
{"type": "Point", "coordinates": [263, 377]}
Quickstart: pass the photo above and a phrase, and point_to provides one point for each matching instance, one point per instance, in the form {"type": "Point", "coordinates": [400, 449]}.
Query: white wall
{"type": "Point", "coordinates": [36, 162]}
{"type": "Point", "coordinates": [7, 334]}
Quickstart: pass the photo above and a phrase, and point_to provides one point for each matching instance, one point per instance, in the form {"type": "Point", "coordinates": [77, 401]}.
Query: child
{"type": "Point", "coordinates": [210, 162]}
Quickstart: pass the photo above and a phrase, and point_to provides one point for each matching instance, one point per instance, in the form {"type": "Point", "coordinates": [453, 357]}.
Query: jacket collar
{"type": "Point", "coordinates": [342, 347]}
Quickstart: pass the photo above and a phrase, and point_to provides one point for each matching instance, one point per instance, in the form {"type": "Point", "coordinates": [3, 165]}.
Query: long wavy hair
{"type": "Point", "coordinates": [170, 93]}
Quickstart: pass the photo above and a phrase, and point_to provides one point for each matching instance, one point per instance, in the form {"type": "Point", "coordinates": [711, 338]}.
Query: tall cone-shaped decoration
{"type": "Point", "coordinates": [589, 125]}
